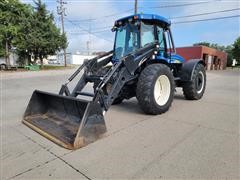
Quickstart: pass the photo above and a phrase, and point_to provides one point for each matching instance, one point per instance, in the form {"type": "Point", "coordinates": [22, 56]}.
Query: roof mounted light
{"type": "Point", "coordinates": [113, 28]}
{"type": "Point", "coordinates": [130, 20]}
{"type": "Point", "coordinates": [135, 17]}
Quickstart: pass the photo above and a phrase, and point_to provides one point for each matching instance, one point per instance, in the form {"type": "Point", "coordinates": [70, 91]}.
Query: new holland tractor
{"type": "Point", "coordinates": [144, 64]}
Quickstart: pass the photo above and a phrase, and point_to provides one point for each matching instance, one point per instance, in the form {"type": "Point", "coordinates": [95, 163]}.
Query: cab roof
{"type": "Point", "coordinates": [148, 17]}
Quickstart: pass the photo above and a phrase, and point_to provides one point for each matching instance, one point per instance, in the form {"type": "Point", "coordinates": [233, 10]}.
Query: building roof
{"type": "Point", "coordinates": [150, 17]}
{"type": "Point", "coordinates": [203, 48]}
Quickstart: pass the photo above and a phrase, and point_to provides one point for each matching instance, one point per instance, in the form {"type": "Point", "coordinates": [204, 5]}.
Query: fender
{"type": "Point", "coordinates": [188, 69]}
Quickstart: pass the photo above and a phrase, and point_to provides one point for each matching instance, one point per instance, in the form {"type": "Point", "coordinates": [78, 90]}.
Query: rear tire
{"type": "Point", "coordinates": [155, 89]}
{"type": "Point", "coordinates": [194, 89]}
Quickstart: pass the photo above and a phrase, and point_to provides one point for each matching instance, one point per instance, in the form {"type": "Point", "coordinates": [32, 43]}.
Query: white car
{"type": "Point", "coordinates": [2, 64]}
{"type": "Point", "coordinates": [53, 61]}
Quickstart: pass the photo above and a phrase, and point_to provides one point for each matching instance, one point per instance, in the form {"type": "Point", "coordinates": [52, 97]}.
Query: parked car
{"type": "Point", "coordinates": [53, 61]}
{"type": "Point", "coordinates": [2, 64]}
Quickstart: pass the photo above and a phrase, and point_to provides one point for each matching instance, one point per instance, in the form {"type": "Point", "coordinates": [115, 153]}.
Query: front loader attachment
{"type": "Point", "coordinates": [72, 122]}
{"type": "Point", "coordinates": [65, 120]}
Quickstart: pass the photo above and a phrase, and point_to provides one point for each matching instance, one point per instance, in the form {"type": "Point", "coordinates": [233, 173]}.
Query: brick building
{"type": "Point", "coordinates": [213, 58]}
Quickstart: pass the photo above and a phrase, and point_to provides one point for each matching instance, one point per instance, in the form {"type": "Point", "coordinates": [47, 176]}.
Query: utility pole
{"type": "Point", "coordinates": [135, 6]}
{"type": "Point", "coordinates": [61, 12]}
{"type": "Point", "coordinates": [7, 54]}
{"type": "Point", "coordinates": [88, 47]}
{"type": "Point", "coordinates": [89, 36]}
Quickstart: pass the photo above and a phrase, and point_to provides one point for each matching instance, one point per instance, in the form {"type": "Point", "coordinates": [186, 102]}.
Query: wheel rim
{"type": "Point", "coordinates": [162, 90]}
{"type": "Point", "coordinates": [200, 82]}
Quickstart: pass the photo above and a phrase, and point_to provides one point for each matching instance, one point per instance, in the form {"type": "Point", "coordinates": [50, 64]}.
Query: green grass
{"type": "Point", "coordinates": [52, 67]}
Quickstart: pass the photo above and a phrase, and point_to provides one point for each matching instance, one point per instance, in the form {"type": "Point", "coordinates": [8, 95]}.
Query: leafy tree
{"type": "Point", "coordinates": [202, 44]}
{"type": "Point", "coordinates": [214, 45]}
{"type": "Point", "coordinates": [42, 37]}
{"type": "Point", "coordinates": [2, 50]}
{"type": "Point", "coordinates": [11, 13]}
{"type": "Point", "coordinates": [236, 50]}
{"type": "Point", "coordinates": [31, 31]}
{"type": "Point", "coordinates": [228, 50]}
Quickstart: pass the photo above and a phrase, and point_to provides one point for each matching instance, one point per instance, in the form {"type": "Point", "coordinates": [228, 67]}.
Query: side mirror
{"type": "Point", "coordinates": [113, 28]}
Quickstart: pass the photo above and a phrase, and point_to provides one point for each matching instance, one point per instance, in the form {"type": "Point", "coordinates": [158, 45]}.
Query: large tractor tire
{"type": "Point", "coordinates": [102, 72]}
{"type": "Point", "coordinates": [155, 89]}
{"type": "Point", "coordinates": [194, 89]}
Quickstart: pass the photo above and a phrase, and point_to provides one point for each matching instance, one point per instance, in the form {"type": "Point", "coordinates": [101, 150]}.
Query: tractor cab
{"type": "Point", "coordinates": [137, 31]}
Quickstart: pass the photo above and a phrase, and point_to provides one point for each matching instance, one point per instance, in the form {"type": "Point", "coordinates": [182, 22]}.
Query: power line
{"type": "Point", "coordinates": [153, 7]}
{"type": "Point", "coordinates": [110, 15]}
{"type": "Point", "coordinates": [179, 5]}
{"type": "Point", "coordinates": [106, 28]}
{"type": "Point", "coordinates": [83, 20]}
{"type": "Point", "coordinates": [180, 22]}
{"type": "Point", "coordinates": [215, 12]}
{"type": "Point", "coordinates": [98, 28]}
{"type": "Point", "coordinates": [210, 19]}
{"type": "Point", "coordinates": [88, 31]}
{"type": "Point", "coordinates": [94, 32]}
{"type": "Point", "coordinates": [102, 17]}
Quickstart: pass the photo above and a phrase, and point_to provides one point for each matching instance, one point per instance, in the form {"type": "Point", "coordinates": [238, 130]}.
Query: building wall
{"type": "Point", "coordinates": [79, 59]}
{"type": "Point", "coordinates": [191, 52]}
{"type": "Point", "coordinates": [214, 59]}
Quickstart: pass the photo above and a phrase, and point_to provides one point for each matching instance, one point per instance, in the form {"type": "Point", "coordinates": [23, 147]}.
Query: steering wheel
{"type": "Point", "coordinates": [119, 52]}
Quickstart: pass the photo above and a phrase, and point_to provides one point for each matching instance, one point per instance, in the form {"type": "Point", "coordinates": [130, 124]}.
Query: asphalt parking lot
{"type": "Point", "coordinates": [194, 139]}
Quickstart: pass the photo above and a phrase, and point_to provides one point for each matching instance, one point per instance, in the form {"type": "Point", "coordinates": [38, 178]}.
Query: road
{"type": "Point", "coordinates": [194, 139]}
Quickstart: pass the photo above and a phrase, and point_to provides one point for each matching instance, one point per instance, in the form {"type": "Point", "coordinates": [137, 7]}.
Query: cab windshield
{"type": "Point", "coordinates": [127, 40]}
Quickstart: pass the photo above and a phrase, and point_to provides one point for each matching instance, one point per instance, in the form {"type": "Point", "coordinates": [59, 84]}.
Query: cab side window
{"type": "Point", "coordinates": [147, 34]}
{"type": "Point", "coordinates": [160, 34]}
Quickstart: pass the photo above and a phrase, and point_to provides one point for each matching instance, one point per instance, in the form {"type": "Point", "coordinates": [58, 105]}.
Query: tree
{"type": "Point", "coordinates": [202, 44]}
{"type": "Point", "coordinates": [31, 31]}
{"type": "Point", "coordinates": [42, 37]}
{"type": "Point", "coordinates": [228, 50]}
{"type": "Point", "coordinates": [211, 45]}
{"type": "Point", "coordinates": [236, 50]}
{"type": "Point", "coordinates": [11, 15]}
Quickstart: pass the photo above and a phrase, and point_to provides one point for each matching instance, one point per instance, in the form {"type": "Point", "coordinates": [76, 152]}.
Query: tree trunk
{"type": "Point", "coordinates": [7, 54]}
{"type": "Point", "coordinates": [28, 59]}
{"type": "Point", "coordinates": [41, 59]}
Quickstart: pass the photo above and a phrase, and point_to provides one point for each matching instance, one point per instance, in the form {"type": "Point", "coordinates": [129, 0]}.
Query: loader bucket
{"type": "Point", "coordinates": [67, 121]}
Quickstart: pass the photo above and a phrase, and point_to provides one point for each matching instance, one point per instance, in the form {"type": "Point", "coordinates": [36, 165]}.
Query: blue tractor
{"type": "Point", "coordinates": [143, 64]}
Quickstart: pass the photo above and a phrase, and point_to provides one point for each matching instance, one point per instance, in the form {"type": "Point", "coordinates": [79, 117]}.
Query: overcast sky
{"type": "Point", "coordinates": [104, 12]}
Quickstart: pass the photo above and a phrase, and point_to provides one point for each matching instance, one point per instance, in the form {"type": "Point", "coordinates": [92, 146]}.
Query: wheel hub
{"type": "Point", "coordinates": [162, 90]}
{"type": "Point", "coordinates": [200, 82]}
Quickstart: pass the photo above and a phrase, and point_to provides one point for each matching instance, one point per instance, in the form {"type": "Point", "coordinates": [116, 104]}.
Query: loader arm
{"type": "Point", "coordinates": [92, 66]}
{"type": "Point", "coordinates": [72, 122]}
{"type": "Point", "coordinates": [125, 70]}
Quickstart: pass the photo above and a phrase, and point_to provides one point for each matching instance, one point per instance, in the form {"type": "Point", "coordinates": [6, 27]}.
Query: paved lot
{"type": "Point", "coordinates": [194, 139]}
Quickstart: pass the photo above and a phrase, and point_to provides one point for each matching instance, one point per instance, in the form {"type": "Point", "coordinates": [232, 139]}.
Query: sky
{"type": "Point", "coordinates": [98, 16]}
